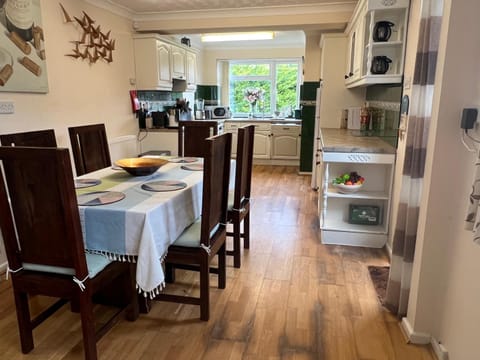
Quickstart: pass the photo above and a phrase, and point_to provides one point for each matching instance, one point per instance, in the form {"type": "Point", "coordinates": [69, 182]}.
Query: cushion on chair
{"type": "Point", "coordinates": [190, 237]}
{"type": "Point", "coordinates": [95, 264]}
{"type": "Point", "coordinates": [231, 197]}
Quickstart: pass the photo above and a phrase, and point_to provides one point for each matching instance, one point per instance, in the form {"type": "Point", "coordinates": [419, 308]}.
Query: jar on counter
{"type": "Point", "coordinates": [19, 18]}
{"type": "Point", "coordinates": [364, 119]}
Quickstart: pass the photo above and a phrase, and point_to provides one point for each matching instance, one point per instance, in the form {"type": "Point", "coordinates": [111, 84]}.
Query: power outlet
{"type": "Point", "coordinates": [7, 107]}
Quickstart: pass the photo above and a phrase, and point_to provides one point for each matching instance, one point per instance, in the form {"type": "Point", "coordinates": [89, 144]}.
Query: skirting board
{"type": "Point", "coordinates": [276, 162]}
{"type": "Point", "coordinates": [371, 240]}
{"type": "Point", "coordinates": [423, 339]}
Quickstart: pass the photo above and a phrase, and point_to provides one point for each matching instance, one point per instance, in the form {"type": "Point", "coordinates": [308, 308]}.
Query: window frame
{"type": "Point", "coordinates": [272, 78]}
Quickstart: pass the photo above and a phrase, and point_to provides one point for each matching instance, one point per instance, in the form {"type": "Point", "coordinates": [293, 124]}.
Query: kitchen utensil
{"type": "Point", "coordinates": [140, 166]}
{"type": "Point", "coordinates": [382, 30]}
{"type": "Point", "coordinates": [380, 64]}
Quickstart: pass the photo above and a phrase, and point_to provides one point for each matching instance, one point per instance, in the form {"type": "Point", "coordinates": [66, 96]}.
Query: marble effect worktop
{"type": "Point", "coordinates": [266, 120]}
{"type": "Point", "coordinates": [345, 140]}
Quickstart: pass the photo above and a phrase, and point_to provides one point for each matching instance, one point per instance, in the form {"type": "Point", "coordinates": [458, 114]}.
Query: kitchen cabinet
{"type": "Point", "coordinates": [371, 158]}
{"type": "Point", "coordinates": [285, 141]}
{"type": "Point", "coordinates": [152, 64]}
{"type": "Point", "coordinates": [178, 63]}
{"type": "Point", "coordinates": [191, 70]}
{"type": "Point", "coordinates": [365, 51]}
{"type": "Point", "coordinates": [159, 60]}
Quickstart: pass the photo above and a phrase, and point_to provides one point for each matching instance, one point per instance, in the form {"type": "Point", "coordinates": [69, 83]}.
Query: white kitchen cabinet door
{"type": "Point", "coordinates": [178, 63]}
{"type": "Point", "coordinates": [191, 70]}
{"type": "Point", "coordinates": [163, 65]}
{"type": "Point", "coordinates": [152, 64]}
{"type": "Point", "coordinates": [286, 141]}
{"type": "Point", "coordinates": [261, 145]}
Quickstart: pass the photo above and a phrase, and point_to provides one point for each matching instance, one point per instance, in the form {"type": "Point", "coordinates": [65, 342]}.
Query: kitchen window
{"type": "Point", "coordinates": [278, 81]}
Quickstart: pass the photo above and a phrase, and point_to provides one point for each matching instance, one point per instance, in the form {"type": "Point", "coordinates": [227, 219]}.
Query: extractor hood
{"type": "Point", "coordinates": [179, 85]}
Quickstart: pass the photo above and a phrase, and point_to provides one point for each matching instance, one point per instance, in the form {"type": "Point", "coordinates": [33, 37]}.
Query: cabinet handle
{"type": "Point", "coordinates": [350, 74]}
{"type": "Point", "coordinates": [346, 77]}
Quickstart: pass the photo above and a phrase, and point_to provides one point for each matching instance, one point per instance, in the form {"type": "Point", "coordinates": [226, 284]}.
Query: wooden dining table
{"type": "Point", "coordinates": [123, 219]}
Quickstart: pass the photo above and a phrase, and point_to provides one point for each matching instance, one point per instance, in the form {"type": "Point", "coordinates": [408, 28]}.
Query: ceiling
{"type": "Point", "coordinates": [162, 6]}
{"type": "Point", "coordinates": [291, 19]}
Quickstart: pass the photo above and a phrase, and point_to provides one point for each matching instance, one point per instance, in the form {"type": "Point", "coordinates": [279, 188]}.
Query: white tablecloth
{"type": "Point", "coordinates": [141, 226]}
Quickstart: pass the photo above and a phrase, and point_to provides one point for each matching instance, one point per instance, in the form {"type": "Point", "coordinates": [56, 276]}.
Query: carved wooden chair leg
{"type": "Point", "coordinates": [222, 273]}
{"type": "Point", "coordinates": [88, 326]}
{"type": "Point", "coordinates": [236, 244]}
{"type": "Point", "coordinates": [204, 289]}
{"type": "Point", "coordinates": [169, 273]}
{"type": "Point", "coordinates": [23, 316]}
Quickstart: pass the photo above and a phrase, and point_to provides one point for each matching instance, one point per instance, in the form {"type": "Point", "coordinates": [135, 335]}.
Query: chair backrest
{"type": "Point", "coordinates": [243, 169]}
{"type": "Point", "coordinates": [43, 138]}
{"type": "Point", "coordinates": [42, 224]}
{"type": "Point", "coordinates": [192, 135]}
{"type": "Point", "coordinates": [216, 176]}
{"type": "Point", "coordinates": [90, 148]}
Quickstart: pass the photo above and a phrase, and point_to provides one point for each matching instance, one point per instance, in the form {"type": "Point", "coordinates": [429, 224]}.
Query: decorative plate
{"type": "Point", "coordinates": [99, 198]}
{"type": "Point", "coordinates": [164, 185]}
{"type": "Point", "coordinates": [193, 167]}
{"type": "Point", "coordinates": [184, 160]}
{"type": "Point", "coordinates": [84, 183]}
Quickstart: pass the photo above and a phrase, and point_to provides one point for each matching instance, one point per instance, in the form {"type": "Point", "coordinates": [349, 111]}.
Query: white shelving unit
{"type": "Point", "coordinates": [363, 48]}
{"type": "Point", "coordinates": [377, 169]}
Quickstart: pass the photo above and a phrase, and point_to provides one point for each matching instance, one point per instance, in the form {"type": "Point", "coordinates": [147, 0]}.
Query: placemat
{"type": "Point", "coordinates": [184, 160]}
{"type": "Point", "coordinates": [164, 185]}
{"type": "Point", "coordinates": [99, 198]}
{"type": "Point", "coordinates": [84, 183]}
{"type": "Point", "coordinates": [193, 167]}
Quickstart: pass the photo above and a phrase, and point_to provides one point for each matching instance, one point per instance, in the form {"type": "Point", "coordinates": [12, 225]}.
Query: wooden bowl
{"type": "Point", "coordinates": [140, 166]}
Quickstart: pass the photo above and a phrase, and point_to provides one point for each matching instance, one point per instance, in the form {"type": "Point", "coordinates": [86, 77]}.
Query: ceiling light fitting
{"type": "Point", "coordinates": [261, 35]}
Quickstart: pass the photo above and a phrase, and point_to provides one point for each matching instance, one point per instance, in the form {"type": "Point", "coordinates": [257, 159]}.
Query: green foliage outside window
{"type": "Point", "coordinates": [279, 76]}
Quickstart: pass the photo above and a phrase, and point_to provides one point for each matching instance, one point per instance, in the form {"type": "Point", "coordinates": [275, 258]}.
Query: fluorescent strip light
{"type": "Point", "coordinates": [261, 35]}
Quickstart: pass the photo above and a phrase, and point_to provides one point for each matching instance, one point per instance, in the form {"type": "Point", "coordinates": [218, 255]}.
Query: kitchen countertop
{"type": "Point", "coordinates": [344, 140]}
{"type": "Point", "coordinates": [270, 120]}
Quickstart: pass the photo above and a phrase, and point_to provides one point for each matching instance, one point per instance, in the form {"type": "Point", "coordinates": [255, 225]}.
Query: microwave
{"type": "Point", "coordinates": [218, 112]}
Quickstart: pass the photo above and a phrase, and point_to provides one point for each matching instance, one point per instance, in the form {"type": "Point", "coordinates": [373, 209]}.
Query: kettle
{"type": "Point", "coordinates": [380, 64]}
{"type": "Point", "coordinates": [382, 30]}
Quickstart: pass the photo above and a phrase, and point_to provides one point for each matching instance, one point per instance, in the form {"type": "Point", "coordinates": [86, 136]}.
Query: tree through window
{"type": "Point", "coordinates": [278, 80]}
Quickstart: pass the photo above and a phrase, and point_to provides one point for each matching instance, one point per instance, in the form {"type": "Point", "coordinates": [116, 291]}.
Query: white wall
{"type": "Point", "coordinates": [79, 93]}
{"type": "Point", "coordinates": [335, 96]}
{"type": "Point", "coordinates": [444, 300]}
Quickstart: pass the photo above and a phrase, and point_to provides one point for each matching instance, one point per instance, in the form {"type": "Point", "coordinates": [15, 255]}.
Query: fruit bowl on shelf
{"type": "Point", "coordinates": [347, 189]}
{"type": "Point", "coordinates": [348, 183]}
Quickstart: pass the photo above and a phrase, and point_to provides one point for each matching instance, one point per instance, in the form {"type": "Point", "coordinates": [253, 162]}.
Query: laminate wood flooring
{"type": "Point", "coordinates": [293, 298]}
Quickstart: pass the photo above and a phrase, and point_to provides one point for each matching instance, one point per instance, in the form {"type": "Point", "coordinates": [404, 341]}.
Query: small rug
{"type": "Point", "coordinates": [379, 276]}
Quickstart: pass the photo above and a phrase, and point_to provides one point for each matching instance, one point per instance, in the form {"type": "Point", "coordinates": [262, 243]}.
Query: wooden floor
{"type": "Point", "coordinates": [293, 298]}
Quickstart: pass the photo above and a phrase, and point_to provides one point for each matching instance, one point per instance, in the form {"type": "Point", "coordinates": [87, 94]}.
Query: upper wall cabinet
{"type": "Point", "coordinates": [158, 61]}
{"type": "Point", "coordinates": [376, 40]}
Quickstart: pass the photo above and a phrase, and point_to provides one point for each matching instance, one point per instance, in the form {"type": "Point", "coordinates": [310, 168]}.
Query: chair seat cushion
{"type": "Point", "coordinates": [231, 197]}
{"type": "Point", "coordinates": [95, 264]}
{"type": "Point", "coordinates": [190, 237]}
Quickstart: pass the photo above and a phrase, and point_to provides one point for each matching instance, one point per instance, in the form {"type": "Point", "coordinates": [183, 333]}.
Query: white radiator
{"type": "Point", "coordinates": [123, 147]}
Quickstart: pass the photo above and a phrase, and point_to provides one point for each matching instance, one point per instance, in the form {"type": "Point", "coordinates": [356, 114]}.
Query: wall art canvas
{"type": "Point", "coordinates": [23, 65]}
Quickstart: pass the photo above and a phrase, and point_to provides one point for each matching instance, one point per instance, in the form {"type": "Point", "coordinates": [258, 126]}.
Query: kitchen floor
{"type": "Point", "coordinates": [293, 298]}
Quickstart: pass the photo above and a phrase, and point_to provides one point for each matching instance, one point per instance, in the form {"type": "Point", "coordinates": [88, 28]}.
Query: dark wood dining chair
{"type": "Point", "coordinates": [43, 138]}
{"type": "Point", "coordinates": [239, 199]}
{"type": "Point", "coordinates": [191, 136]}
{"type": "Point", "coordinates": [200, 242]}
{"type": "Point", "coordinates": [42, 233]}
{"type": "Point", "coordinates": [90, 148]}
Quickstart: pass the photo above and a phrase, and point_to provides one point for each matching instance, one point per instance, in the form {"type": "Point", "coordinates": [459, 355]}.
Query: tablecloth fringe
{"type": "Point", "coordinates": [114, 257]}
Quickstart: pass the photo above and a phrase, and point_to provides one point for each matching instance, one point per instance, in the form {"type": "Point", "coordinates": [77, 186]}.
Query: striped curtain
{"type": "Point", "coordinates": [405, 233]}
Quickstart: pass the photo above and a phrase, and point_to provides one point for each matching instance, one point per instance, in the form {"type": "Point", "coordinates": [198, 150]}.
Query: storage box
{"type": "Point", "coordinates": [364, 214]}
